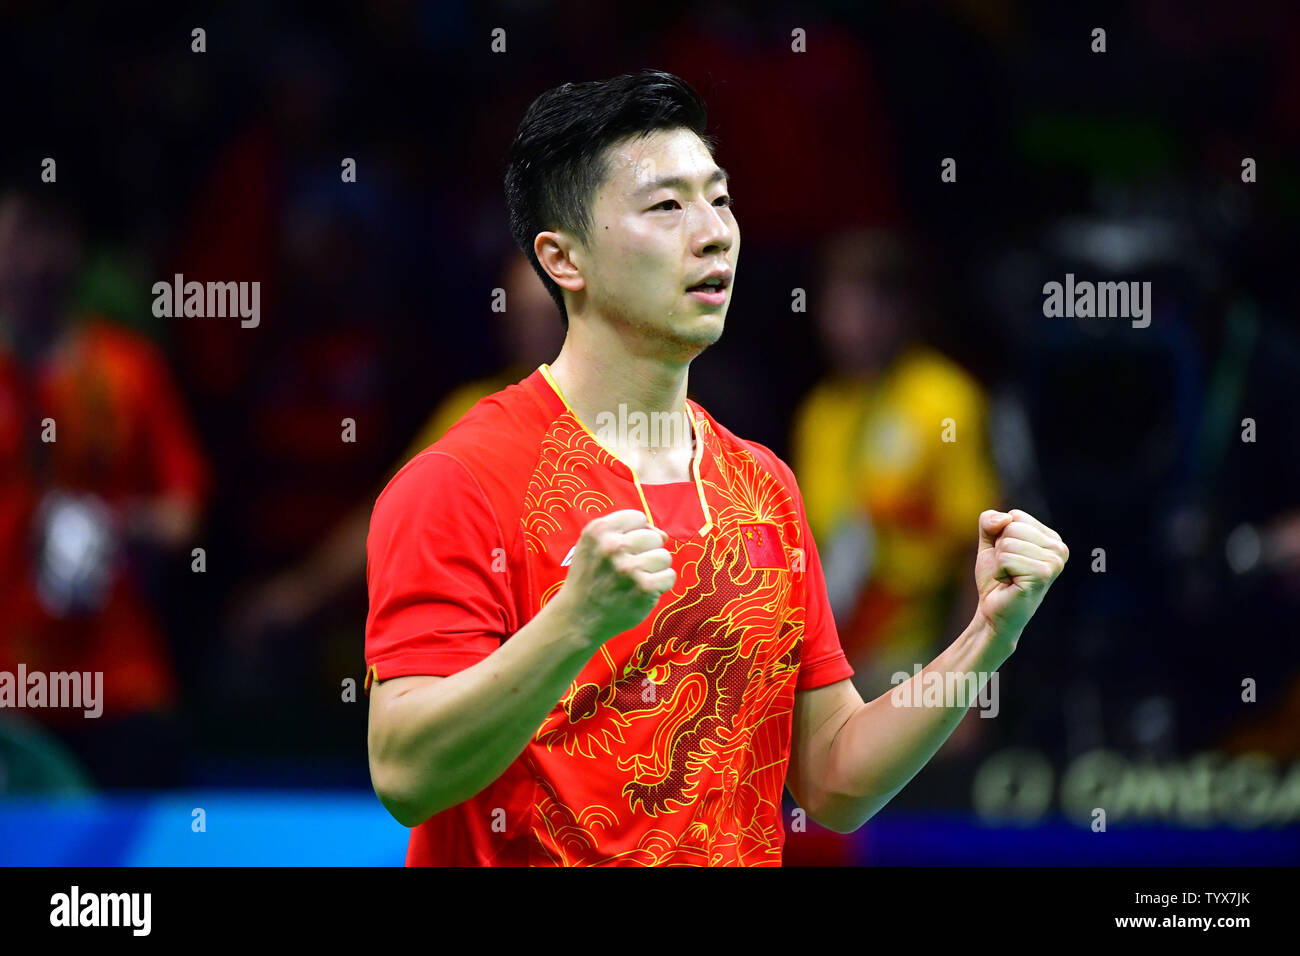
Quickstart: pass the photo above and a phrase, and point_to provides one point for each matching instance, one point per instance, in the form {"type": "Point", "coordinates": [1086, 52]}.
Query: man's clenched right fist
{"type": "Point", "coordinates": [620, 570]}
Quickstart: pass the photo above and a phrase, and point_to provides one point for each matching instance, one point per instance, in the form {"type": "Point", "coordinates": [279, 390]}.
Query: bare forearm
{"type": "Point", "coordinates": [883, 744]}
{"type": "Point", "coordinates": [444, 742]}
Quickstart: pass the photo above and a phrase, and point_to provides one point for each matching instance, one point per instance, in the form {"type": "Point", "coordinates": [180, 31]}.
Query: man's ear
{"type": "Point", "coordinates": [555, 254]}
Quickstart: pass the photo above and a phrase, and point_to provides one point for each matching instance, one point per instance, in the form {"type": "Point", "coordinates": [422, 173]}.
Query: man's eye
{"type": "Point", "coordinates": [726, 201]}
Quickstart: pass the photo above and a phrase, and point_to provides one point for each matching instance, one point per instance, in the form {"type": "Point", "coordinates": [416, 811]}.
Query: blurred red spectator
{"type": "Point", "coordinates": [123, 468]}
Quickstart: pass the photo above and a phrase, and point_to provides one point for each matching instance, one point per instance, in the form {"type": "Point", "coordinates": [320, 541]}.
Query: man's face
{"type": "Point", "coordinates": [662, 222]}
{"type": "Point", "coordinates": [862, 322]}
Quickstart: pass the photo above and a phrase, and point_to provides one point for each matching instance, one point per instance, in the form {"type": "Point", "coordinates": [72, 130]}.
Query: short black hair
{"type": "Point", "coordinates": [558, 159]}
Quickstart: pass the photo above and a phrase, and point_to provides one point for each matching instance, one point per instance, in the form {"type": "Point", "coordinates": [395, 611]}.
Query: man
{"type": "Point", "coordinates": [616, 648]}
{"type": "Point", "coordinates": [99, 467]}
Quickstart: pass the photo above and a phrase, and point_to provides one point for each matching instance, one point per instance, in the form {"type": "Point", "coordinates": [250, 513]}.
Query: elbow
{"type": "Point", "coordinates": [837, 823]}
{"type": "Point", "coordinates": [402, 811]}
{"type": "Point", "coordinates": [845, 812]}
{"type": "Point", "coordinates": [397, 796]}
{"type": "Point", "coordinates": [843, 823]}
{"type": "Point", "coordinates": [393, 776]}
{"type": "Point", "coordinates": [852, 814]}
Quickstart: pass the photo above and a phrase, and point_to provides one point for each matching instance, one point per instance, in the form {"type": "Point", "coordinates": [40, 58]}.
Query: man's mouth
{"type": "Point", "coordinates": [709, 295]}
{"type": "Point", "coordinates": [711, 292]}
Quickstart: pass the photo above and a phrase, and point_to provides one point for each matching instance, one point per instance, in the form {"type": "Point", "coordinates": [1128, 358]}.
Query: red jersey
{"type": "Point", "coordinates": [671, 746]}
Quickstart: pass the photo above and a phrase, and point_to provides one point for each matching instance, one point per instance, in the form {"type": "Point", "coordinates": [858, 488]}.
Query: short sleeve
{"type": "Point", "coordinates": [436, 572]}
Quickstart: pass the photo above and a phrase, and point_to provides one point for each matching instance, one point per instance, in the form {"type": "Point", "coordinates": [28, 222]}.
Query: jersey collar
{"type": "Point", "coordinates": [549, 391]}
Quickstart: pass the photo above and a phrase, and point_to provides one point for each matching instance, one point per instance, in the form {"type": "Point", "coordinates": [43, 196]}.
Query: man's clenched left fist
{"type": "Point", "coordinates": [1018, 559]}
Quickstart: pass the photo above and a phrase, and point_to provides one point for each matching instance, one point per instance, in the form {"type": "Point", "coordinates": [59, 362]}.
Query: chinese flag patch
{"type": "Point", "coordinates": [763, 546]}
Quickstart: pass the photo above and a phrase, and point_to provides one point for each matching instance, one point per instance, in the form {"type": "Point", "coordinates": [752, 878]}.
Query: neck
{"type": "Point", "coordinates": [635, 403]}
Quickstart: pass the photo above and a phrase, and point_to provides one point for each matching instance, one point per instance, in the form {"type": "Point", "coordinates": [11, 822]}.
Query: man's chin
{"type": "Point", "coordinates": [681, 335]}
{"type": "Point", "coordinates": [701, 331]}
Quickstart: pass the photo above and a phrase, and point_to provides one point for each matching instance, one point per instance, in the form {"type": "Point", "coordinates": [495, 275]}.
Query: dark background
{"type": "Point", "coordinates": [376, 294]}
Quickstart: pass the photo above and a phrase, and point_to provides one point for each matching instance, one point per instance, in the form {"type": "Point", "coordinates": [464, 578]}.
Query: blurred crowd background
{"type": "Point", "coordinates": [924, 301]}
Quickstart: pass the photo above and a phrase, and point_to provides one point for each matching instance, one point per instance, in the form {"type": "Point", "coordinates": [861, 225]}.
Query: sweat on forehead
{"type": "Point", "coordinates": [640, 153]}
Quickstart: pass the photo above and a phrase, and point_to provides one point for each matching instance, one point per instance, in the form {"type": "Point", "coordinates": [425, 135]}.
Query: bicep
{"type": "Point", "coordinates": [384, 694]}
{"type": "Point", "coordinates": [385, 704]}
{"type": "Point", "coordinates": [439, 601]}
{"type": "Point", "coordinates": [818, 716]}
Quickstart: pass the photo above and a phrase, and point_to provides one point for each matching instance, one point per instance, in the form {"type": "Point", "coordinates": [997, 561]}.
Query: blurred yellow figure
{"type": "Point", "coordinates": [891, 454]}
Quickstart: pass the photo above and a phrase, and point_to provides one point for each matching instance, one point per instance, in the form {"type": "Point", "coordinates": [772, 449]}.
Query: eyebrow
{"type": "Point", "coordinates": [680, 182]}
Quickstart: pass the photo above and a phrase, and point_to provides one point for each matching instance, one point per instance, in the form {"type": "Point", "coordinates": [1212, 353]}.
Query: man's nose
{"type": "Point", "coordinates": [714, 232]}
